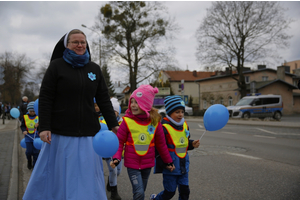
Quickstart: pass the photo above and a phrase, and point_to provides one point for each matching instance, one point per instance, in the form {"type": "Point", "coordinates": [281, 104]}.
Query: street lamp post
{"type": "Point", "coordinates": [99, 42]}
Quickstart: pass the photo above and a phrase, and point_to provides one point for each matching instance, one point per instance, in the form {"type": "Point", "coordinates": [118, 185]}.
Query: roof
{"type": "Point", "coordinates": [262, 84]}
{"type": "Point", "coordinates": [187, 75]}
{"type": "Point", "coordinates": [244, 72]}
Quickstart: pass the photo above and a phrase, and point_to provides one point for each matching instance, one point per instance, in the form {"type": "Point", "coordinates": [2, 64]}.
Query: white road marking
{"type": "Point", "coordinates": [262, 136]}
{"type": "Point", "coordinates": [200, 125]}
{"type": "Point", "coordinates": [266, 131]}
{"type": "Point", "coordinates": [244, 156]}
{"type": "Point", "coordinates": [200, 129]}
{"type": "Point", "coordinates": [228, 132]}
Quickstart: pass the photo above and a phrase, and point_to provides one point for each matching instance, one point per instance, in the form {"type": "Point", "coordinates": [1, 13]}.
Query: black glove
{"type": "Point", "coordinates": [169, 164]}
{"type": "Point", "coordinates": [117, 162]}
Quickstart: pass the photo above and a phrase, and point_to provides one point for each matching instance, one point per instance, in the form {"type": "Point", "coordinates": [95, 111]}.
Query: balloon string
{"type": "Point", "coordinates": [202, 135]}
{"type": "Point", "coordinates": [29, 136]}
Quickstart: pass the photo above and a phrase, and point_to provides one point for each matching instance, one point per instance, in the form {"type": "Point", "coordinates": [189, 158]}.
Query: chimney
{"type": "Point", "coordinates": [245, 69]}
{"type": "Point", "coordinates": [281, 72]}
{"type": "Point", "coordinates": [297, 72]}
{"type": "Point", "coordinates": [227, 71]}
{"type": "Point", "coordinates": [118, 83]}
{"type": "Point", "coordinates": [261, 66]}
{"type": "Point", "coordinates": [195, 73]}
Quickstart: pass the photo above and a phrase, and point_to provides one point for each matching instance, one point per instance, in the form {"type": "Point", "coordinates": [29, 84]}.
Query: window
{"type": "Point", "coordinates": [271, 100]}
{"type": "Point", "coordinates": [204, 104]}
{"type": "Point", "coordinates": [264, 78]}
{"type": "Point", "coordinates": [257, 102]}
{"type": "Point", "coordinates": [230, 101]}
{"type": "Point", "coordinates": [222, 101]}
{"type": "Point", "coordinates": [212, 101]}
{"type": "Point", "coordinates": [296, 66]}
{"type": "Point", "coordinates": [247, 79]}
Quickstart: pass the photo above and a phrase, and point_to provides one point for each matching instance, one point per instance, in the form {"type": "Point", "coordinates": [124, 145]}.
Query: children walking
{"type": "Point", "coordinates": [177, 137]}
{"type": "Point", "coordinates": [114, 172]}
{"type": "Point", "coordinates": [141, 131]}
{"type": "Point", "coordinates": [29, 125]}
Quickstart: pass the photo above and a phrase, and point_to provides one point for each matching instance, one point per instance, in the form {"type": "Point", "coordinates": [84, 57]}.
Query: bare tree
{"type": "Point", "coordinates": [134, 34]}
{"type": "Point", "coordinates": [16, 74]}
{"type": "Point", "coordinates": [235, 33]}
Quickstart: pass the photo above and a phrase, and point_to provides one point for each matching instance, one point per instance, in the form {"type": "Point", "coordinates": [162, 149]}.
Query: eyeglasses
{"type": "Point", "coordinates": [76, 43]}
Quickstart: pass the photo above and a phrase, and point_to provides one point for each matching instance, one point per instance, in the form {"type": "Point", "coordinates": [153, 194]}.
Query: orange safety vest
{"type": "Point", "coordinates": [142, 136]}
{"type": "Point", "coordinates": [179, 139]}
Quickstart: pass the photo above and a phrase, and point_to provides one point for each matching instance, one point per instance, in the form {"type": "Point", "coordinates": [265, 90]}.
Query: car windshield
{"type": "Point", "coordinates": [244, 102]}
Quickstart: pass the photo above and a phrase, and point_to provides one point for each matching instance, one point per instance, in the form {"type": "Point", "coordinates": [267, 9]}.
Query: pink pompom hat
{"type": "Point", "coordinates": [144, 96]}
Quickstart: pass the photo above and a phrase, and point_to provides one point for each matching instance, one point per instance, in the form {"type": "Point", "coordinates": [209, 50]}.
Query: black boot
{"type": "Point", "coordinates": [114, 193]}
{"type": "Point", "coordinates": [29, 165]}
{"type": "Point", "coordinates": [108, 186]}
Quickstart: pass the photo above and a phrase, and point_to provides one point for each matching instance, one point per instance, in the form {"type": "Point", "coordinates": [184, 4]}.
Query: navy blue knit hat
{"type": "Point", "coordinates": [30, 106]}
{"type": "Point", "coordinates": [173, 103]}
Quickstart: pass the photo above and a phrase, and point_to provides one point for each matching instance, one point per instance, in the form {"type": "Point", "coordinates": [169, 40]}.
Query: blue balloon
{"type": "Point", "coordinates": [37, 143]}
{"type": "Point", "coordinates": [105, 143]}
{"type": "Point", "coordinates": [23, 143]}
{"type": "Point", "coordinates": [36, 107]}
{"type": "Point", "coordinates": [14, 112]}
{"type": "Point", "coordinates": [103, 127]}
{"type": "Point", "coordinates": [215, 117]}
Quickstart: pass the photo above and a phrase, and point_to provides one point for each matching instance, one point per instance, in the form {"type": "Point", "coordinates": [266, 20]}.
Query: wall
{"type": "Point", "coordinates": [293, 65]}
{"type": "Point", "coordinates": [190, 89]}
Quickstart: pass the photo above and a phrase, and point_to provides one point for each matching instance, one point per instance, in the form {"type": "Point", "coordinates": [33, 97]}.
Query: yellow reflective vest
{"type": "Point", "coordinates": [142, 135]}
{"type": "Point", "coordinates": [30, 123]}
{"type": "Point", "coordinates": [179, 139]}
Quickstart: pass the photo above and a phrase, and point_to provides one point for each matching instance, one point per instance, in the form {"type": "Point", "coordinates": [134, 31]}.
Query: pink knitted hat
{"type": "Point", "coordinates": [144, 96]}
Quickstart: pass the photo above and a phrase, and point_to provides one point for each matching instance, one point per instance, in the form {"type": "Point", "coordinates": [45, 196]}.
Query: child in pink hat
{"type": "Point", "coordinates": [141, 132]}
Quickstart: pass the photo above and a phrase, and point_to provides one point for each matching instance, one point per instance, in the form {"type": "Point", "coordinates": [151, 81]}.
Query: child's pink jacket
{"type": "Point", "coordinates": [131, 159]}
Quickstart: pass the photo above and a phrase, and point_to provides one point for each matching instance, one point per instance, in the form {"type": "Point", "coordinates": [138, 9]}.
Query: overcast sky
{"type": "Point", "coordinates": [35, 27]}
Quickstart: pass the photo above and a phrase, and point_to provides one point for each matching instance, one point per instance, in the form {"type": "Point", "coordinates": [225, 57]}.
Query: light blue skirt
{"type": "Point", "coordinates": [68, 168]}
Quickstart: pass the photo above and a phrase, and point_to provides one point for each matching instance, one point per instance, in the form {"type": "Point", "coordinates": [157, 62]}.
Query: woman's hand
{"type": "Point", "coordinates": [25, 133]}
{"type": "Point", "coordinates": [46, 136]}
{"type": "Point", "coordinates": [115, 129]}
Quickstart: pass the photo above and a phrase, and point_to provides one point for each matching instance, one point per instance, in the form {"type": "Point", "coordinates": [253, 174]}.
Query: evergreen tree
{"type": "Point", "coordinates": [106, 74]}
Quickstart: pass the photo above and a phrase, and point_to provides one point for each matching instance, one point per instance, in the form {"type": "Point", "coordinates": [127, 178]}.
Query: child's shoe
{"type": "Point", "coordinates": [152, 196]}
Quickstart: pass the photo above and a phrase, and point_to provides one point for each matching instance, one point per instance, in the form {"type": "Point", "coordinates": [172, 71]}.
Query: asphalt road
{"type": "Point", "coordinates": [236, 162]}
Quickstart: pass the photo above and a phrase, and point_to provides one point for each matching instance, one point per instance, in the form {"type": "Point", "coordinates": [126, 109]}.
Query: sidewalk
{"type": "Point", "coordinates": [20, 174]}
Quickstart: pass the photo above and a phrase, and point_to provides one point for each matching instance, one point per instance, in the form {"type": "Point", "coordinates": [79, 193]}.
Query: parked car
{"type": "Point", "coordinates": [260, 106]}
{"type": "Point", "coordinates": [188, 111]}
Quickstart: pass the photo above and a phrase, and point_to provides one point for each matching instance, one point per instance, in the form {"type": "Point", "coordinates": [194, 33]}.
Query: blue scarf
{"type": "Point", "coordinates": [75, 60]}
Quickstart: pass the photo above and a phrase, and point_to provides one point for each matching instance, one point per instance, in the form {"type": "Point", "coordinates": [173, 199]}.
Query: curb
{"type": "Point", "coordinates": [14, 174]}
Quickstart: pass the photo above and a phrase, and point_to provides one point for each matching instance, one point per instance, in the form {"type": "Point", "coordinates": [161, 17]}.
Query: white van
{"type": "Point", "coordinates": [260, 106]}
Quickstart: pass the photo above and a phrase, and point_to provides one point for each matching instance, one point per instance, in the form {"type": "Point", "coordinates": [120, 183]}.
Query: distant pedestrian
{"type": "Point", "coordinates": [114, 172]}
{"type": "Point", "coordinates": [23, 107]}
{"type": "Point", "coordinates": [29, 125]}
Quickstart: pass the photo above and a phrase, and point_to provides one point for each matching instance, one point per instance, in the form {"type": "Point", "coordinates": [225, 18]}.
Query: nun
{"type": "Point", "coordinates": [68, 167]}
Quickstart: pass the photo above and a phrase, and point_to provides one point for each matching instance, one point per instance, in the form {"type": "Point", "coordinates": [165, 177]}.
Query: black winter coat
{"type": "Point", "coordinates": [66, 105]}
